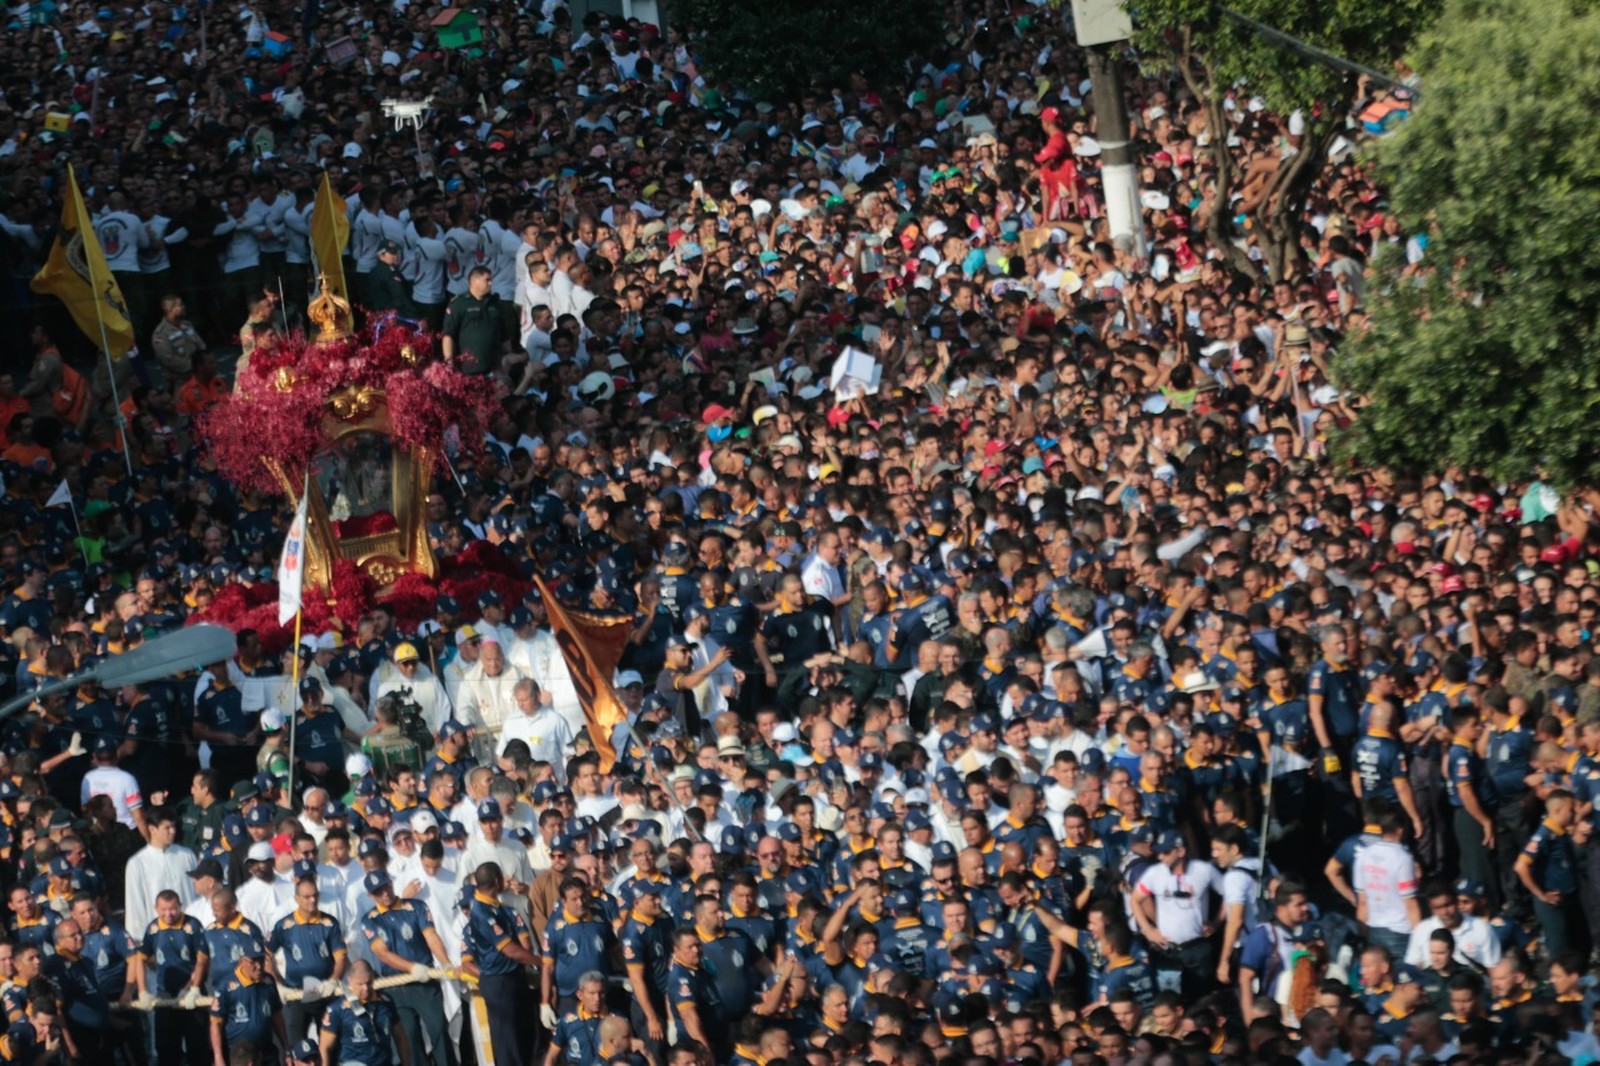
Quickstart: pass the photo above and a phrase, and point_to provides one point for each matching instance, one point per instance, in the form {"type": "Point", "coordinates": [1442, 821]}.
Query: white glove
{"type": "Point", "coordinates": [144, 1001]}
{"type": "Point", "coordinates": [189, 998]}
{"type": "Point", "coordinates": [547, 1015]}
{"type": "Point", "coordinates": [76, 747]}
{"type": "Point", "coordinates": [420, 969]}
{"type": "Point", "coordinates": [328, 989]}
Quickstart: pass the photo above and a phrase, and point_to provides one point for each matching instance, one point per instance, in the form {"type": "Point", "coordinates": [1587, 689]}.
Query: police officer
{"type": "Point", "coordinates": [474, 326]}
{"type": "Point", "coordinates": [577, 942]}
{"type": "Point", "coordinates": [922, 618]}
{"type": "Point", "coordinates": [88, 1011]}
{"type": "Point", "coordinates": [222, 722]}
{"type": "Point", "coordinates": [319, 740]}
{"type": "Point", "coordinates": [230, 938]}
{"type": "Point", "coordinates": [1548, 868]}
{"type": "Point", "coordinates": [692, 997]}
{"type": "Point", "coordinates": [313, 949]}
{"type": "Point", "coordinates": [1471, 794]}
{"type": "Point", "coordinates": [736, 968]}
{"type": "Point", "coordinates": [1506, 754]}
{"type": "Point", "coordinates": [175, 963]}
{"type": "Point", "coordinates": [387, 288]}
{"type": "Point", "coordinates": [497, 946]}
{"type": "Point", "coordinates": [576, 1035]}
{"type": "Point", "coordinates": [203, 812]}
{"type": "Point", "coordinates": [646, 938]}
{"type": "Point", "coordinates": [245, 1016]}
{"type": "Point", "coordinates": [400, 934]}
{"type": "Point", "coordinates": [1380, 769]}
{"type": "Point", "coordinates": [357, 1027]}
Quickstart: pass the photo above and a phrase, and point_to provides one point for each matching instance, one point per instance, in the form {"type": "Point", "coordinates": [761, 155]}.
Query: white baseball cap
{"type": "Point", "coordinates": [260, 851]}
{"type": "Point", "coordinates": [357, 765]}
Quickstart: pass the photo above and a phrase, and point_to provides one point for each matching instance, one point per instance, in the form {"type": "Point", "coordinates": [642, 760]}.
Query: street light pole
{"type": "Point", "coordinates": [1119, 172]}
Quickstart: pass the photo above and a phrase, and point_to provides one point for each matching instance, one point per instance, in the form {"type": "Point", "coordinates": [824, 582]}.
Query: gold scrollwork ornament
{"type": "Point", "coordinates": [354, 401]}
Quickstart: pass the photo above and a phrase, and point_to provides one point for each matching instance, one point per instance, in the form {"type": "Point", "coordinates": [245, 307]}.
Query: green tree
{"type": "Point", "coordinates": [1213, 53]}
{"type": "Point", "coordinates": [777, 49]}
{"type": "Point", "coordinates": [1485, 357]}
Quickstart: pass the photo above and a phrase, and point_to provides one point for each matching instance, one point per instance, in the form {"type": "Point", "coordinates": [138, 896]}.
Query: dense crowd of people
{"type": "Point", "coordinates": [1047, 694]}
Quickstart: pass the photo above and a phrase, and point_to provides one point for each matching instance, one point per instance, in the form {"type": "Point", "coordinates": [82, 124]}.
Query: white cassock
{"type": "Point", "coordinates": [454, 672]}
{"type": "Point", "coordinates": [541, 659]}
{"type": "Point", "coordinates": [512, 859]}
{"type": "Point", "coordinates": [264, 902]}
{"type": "Point", "coordinates": [151, 872]}
{"type": "Point", "coordinates": [486, 701]}
{"type": "Point", "coordinates": [547, 734]}
{"type": "Point", "coordinates": [332, 884]}
{"type": "Point", "coordinates": [200, 910]}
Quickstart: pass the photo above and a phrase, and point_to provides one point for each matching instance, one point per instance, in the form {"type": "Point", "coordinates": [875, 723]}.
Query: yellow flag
{"type": "Point", "coordinates": [76, 274]}
{"type": "Point", "coordinates": [330, 231]}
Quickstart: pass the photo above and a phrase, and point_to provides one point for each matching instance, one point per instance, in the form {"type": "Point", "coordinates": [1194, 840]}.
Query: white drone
{"type": "Point", "coordinates": [407, 112]}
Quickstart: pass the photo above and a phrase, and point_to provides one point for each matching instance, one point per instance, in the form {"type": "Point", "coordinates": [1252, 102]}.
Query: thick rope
{"type": "Point", "coordinates": [195, 1001]}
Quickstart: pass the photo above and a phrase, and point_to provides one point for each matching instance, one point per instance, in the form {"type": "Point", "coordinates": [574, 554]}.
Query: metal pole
{"type": "Point", "coordinates": [452, 468]}
{"type": "Point", "coordinates": [1119, 172]}
{"type": "Point", "coordinates": [83, 549]}
{"type": "Point", "coordinates": [1266, 824]}
{"type": "Point", "coordinates": [294, 668]}
{"type": "Point", "coordinates": [116, 400]}
{"type": "Point", "coordinates": [105, 344]}
{"type": "Point", "coordinates": [1322, 55]}
{"type": "Point", "coordinates": [649, 765]}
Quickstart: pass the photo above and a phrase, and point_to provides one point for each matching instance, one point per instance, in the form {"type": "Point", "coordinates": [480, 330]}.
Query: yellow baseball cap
{"type": "Point", "coordinates": [406, 653]}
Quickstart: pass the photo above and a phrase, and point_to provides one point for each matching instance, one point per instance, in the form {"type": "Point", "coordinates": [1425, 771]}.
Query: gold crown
{"type": "Point", "coordinates": [331, 313]}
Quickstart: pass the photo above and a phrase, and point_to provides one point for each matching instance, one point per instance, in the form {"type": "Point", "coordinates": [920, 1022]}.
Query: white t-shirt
{"type": "Point", "coordinates": [1386, 874]}
{"type": "Point", "coordinates": [547, 734]}
{"type": "Point", "coordinates": [1182, 903]}
{"type": "Point", "coordinates": [1239, 885]}
{"type": "Point", "coordinates": [1476, 943]}
{"type": "Point", "coordinates": [117, 783]}
{"type": "Point", "coordinates": [821, 578]}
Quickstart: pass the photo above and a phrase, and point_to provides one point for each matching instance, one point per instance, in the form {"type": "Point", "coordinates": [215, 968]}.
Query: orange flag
{"type": "Point", "coordinates": [592, 645]}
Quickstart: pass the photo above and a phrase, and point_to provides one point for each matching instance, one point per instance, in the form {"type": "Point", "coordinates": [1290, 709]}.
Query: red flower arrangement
{"type": "Point", "coordinates": [282, 397]}
{"type": "Point", "coordinates": [369, 525]}
{"type": "Point", "coordinates": [411, 598]}
{"type": "Point", "coordinates": [480, 567]}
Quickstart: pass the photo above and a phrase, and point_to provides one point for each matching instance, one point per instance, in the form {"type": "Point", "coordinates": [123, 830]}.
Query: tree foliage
{"type": "Point", "coordinates": [777, 49]}
{"type": "Point", "coordinates": [1213, 53]}
{"type": "Point", "coordinates": [1486, 358]}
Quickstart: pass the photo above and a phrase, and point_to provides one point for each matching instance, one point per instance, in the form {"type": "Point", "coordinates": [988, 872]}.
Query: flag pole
{"type": "Point", "coordinates": [63, 494]}
{"type": "Point", "coordinates": [448, 465]}
{"type": "Point", "coordinates": [100, 317]}
{"type": "Point", "coordinates": [294, 665]}
{"type": "Point", "coordinates": [105, 342]}
{"type": "Point", "coordinates": [117, 419]}
{"type": "Point", "coordinates": [294, 694]}
{"type": "Point", "coordinates": [83, 548]}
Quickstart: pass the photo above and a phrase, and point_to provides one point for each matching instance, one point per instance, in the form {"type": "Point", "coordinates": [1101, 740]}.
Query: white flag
{"type": "Point", "coordinates": [292, 566]}
{"type": "Point", "coordinates": [60, 496]}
